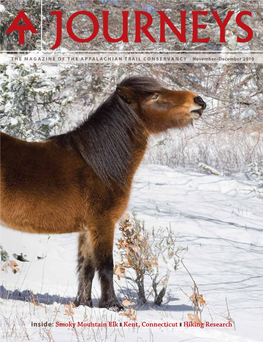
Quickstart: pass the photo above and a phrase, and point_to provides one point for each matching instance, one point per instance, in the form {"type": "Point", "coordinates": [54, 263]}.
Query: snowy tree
{"type": "Point", "coordinates": [31, 106]}
{"type": "Point", "coordinates": [32, 8]}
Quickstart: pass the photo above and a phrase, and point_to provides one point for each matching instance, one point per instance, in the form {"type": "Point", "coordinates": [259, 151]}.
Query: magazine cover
{"type": "Point", "coordinates": [131, 170]}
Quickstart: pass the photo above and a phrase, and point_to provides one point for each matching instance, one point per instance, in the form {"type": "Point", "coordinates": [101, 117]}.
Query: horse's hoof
{"type": "Point", "coordinates": [116, 308]}
{"type": "Point", "coordinates": [87, 302]}
{"type": "Point", "coordinates": [112, 305]}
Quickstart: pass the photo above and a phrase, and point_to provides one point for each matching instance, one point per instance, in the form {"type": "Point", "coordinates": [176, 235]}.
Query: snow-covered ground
{"type": "Point", "coordinates": [219, 219]}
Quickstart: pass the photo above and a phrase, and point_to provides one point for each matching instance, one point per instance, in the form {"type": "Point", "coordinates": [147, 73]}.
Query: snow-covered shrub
{"type": "Point", "coordinates": [255, 170]}
{"type": "Point", "coordinates": [228, 152]}
{"type": "Point", "coordinates": [4, 254]}
{"type": "Point", "coordinates": [141, 254]}
{"type": "Point", "coordinates": [32, 8]}
{"type": "Point", "coordinates": [31, 106]}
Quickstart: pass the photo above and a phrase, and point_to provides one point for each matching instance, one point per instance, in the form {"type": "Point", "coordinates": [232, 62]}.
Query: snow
{"type": "Point", "coordinates": [218, 218]}
{"type": "Point", "coordinates": [13, 121]}
{"type": "Point", "coordinates": [248, 113]}
{"type": "Point", "coordinates": [2, 8]}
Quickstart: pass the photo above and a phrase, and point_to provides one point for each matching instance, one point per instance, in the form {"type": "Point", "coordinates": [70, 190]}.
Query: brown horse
{"type": "Point", "coordinates": [80, 181]}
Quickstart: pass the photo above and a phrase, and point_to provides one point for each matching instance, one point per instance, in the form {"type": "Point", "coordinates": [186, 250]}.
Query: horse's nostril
{"type": "Point", "coordinates": [198, 100]}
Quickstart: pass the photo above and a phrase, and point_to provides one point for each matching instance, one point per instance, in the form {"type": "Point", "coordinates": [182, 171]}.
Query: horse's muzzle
{"type": "Point", "coordinates": [199, 101]}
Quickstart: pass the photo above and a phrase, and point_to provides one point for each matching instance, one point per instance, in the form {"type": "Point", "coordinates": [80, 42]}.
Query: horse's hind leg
{"type": "Point", "coordinates": [86, 271]}
{"type": "Point", "coordinates": [102, 244]}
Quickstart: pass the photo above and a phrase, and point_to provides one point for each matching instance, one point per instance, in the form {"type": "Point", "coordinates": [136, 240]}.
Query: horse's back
{"type": "Point", "coordinates": [8, 144]}
{"type": "Point", "coordinates": [26, 163]}
{"type": "Point", "coordinates": [42, 162]}
{"type": "Point", "coordinates": [14, 150]}
{"type": "Point", "coordinates": [37, 177]}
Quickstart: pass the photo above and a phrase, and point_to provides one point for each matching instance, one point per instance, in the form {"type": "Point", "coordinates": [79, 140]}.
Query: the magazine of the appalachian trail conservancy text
{"type": "Point", "coordinates": [131, 170]}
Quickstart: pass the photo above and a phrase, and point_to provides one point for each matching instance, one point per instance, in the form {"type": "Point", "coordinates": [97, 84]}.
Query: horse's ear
{"type": "Point", "coordinates": [125, 93]}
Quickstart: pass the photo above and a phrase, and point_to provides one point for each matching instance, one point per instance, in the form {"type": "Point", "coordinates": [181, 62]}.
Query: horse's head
{"type": "Point", "coordinates": [158, 107]}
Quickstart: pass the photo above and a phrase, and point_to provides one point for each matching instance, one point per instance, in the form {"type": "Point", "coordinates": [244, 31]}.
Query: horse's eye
{"type": "Point", "coordinates": [155, 97]}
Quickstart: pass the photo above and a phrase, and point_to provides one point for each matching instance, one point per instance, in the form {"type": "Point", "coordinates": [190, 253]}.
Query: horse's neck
{"type": "Point", "coordinates": [139, 148]}
{"type": "Point", "coordinates": [126, 161]}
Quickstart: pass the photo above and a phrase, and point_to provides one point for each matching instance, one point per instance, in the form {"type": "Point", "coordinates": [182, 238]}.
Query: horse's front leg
{"type": "Point", "coordinates": [102, 244]}
{"type": "Point", "coordinates": [86, 270]}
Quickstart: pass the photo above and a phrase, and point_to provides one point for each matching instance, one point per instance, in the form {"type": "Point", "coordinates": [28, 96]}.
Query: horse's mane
{"type": "Point", "coordinates": [106, 138]}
